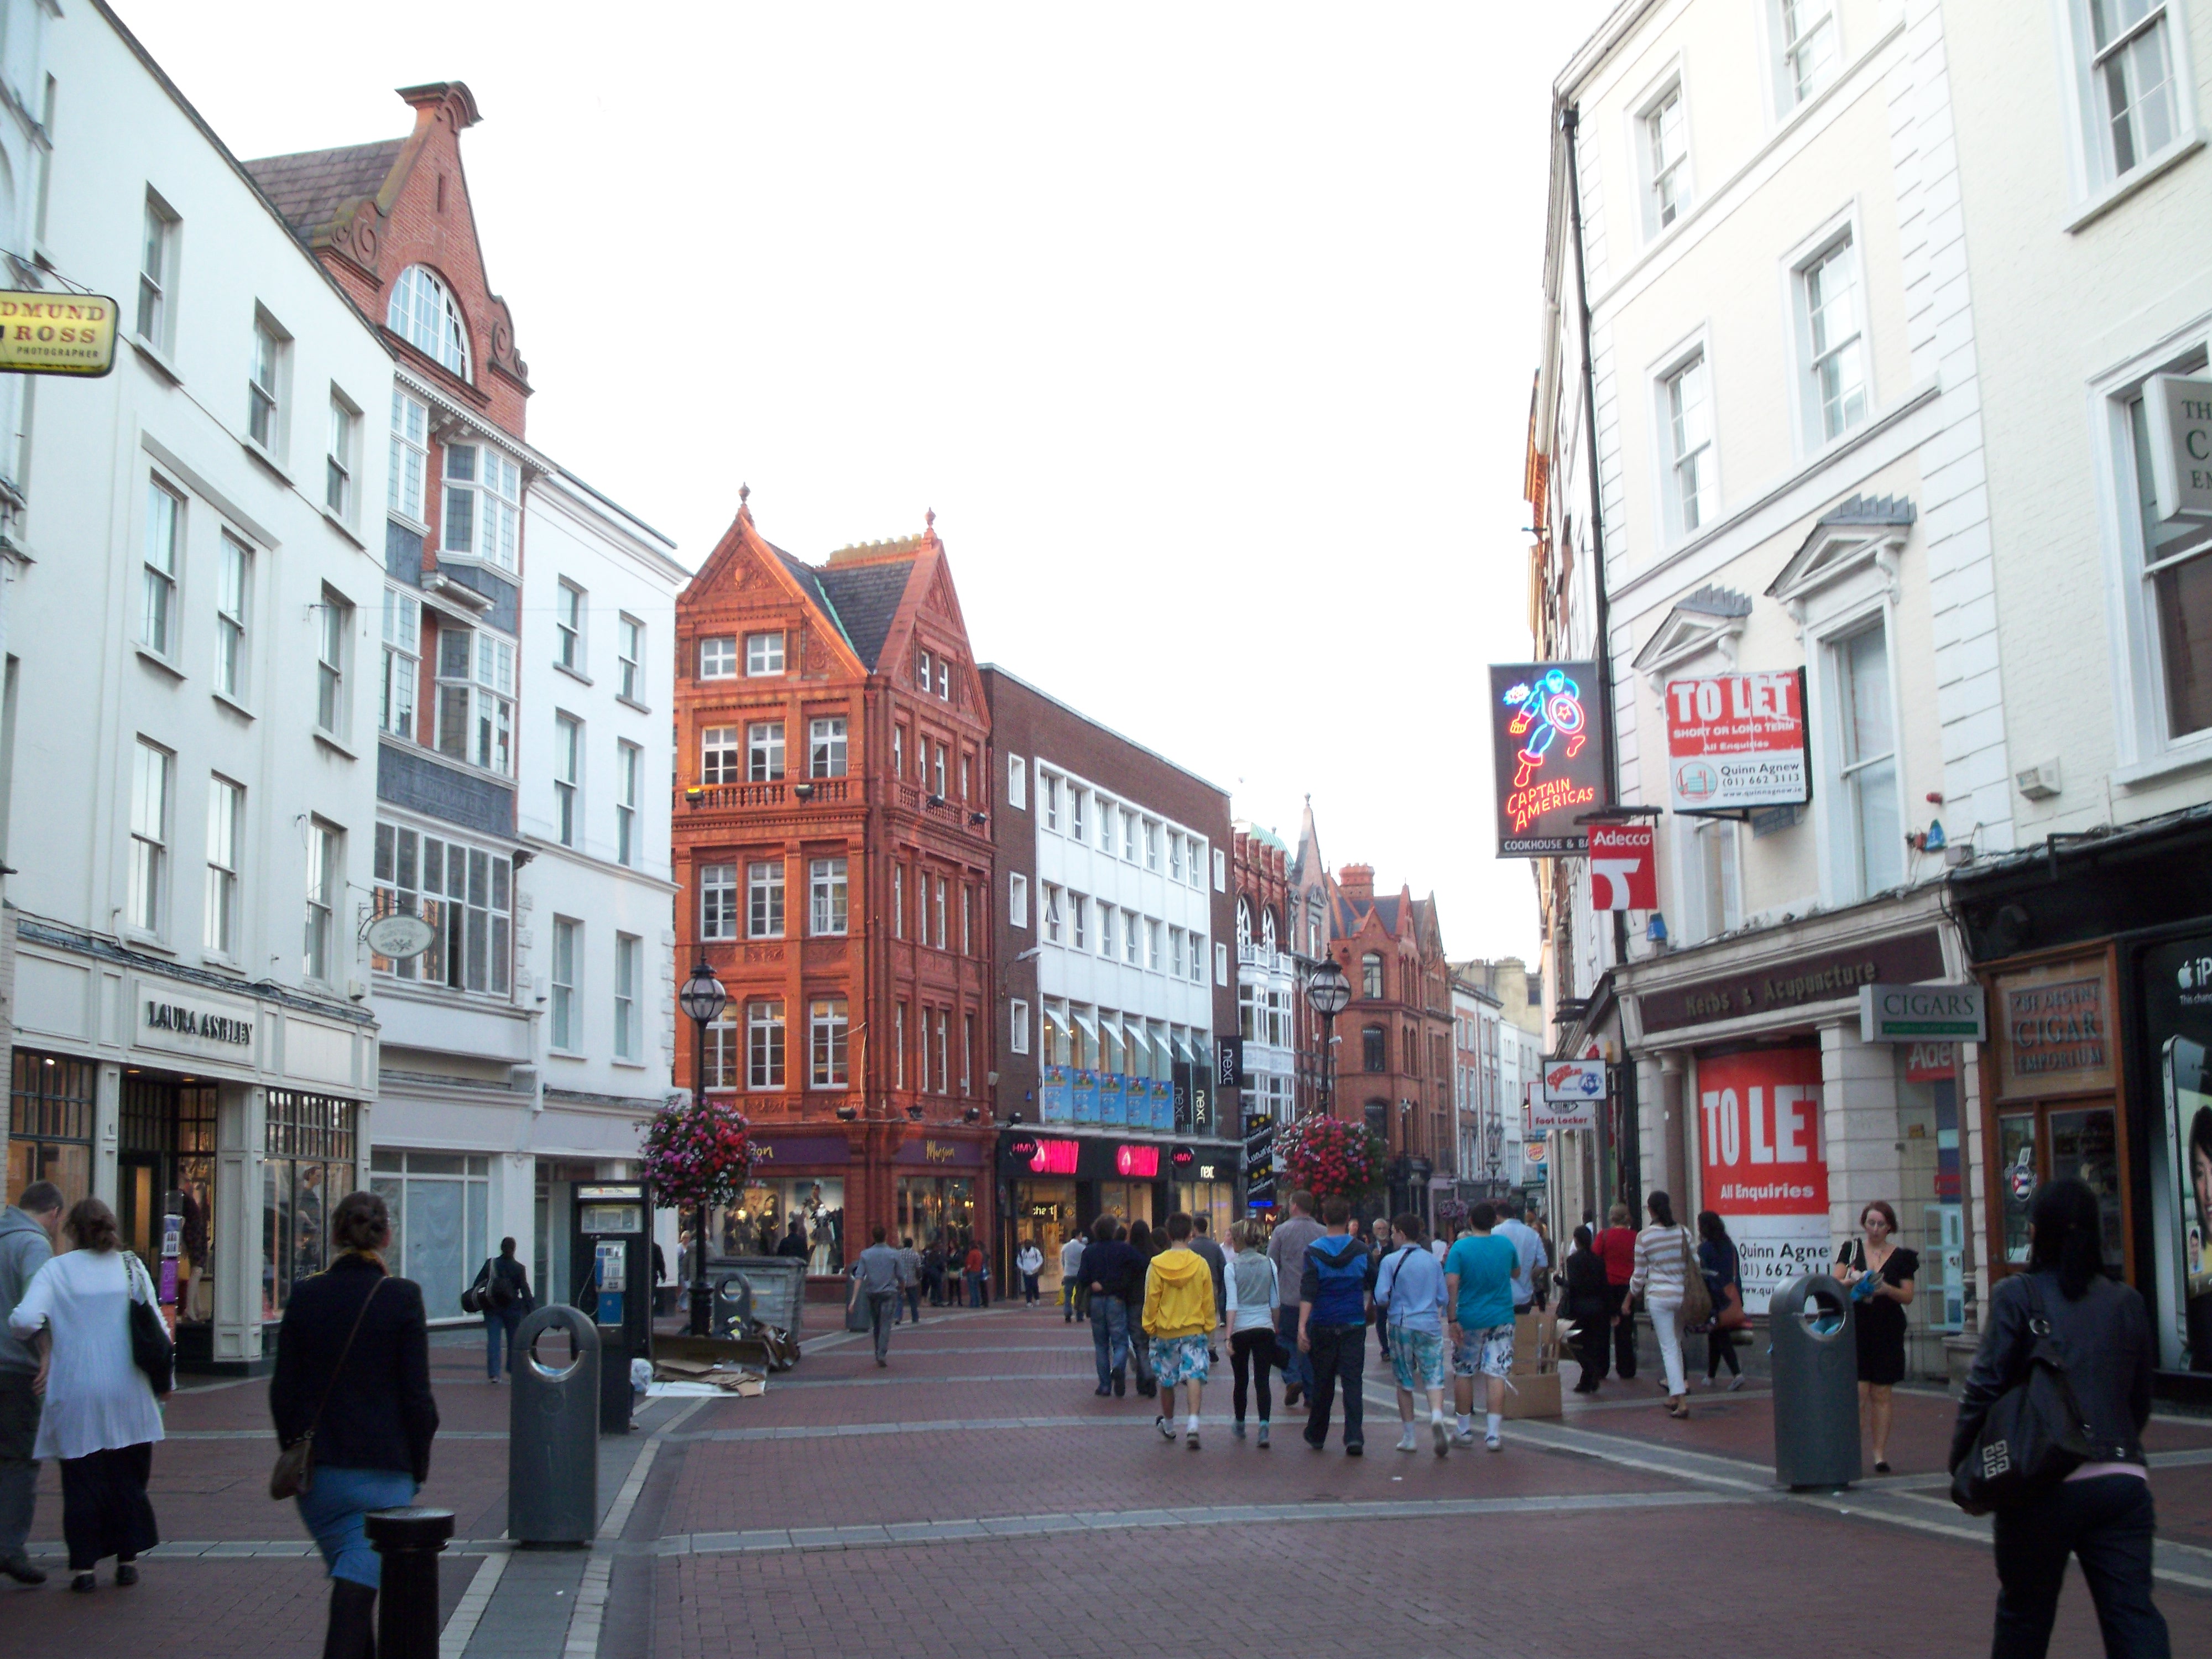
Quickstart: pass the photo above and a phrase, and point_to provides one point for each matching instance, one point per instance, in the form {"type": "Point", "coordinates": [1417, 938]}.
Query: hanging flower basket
{"type": "Point", "coordinates": [696, 1154]}
{"type": "Point", "coordinates": [1330, 1157]}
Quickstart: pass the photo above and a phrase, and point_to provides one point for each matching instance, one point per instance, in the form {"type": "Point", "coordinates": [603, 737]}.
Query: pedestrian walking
{"type": "Point", "coordinates": [1478, 1320]}
{"type": "Point", "coordinates": [1071, 1274]}
{"type": "Point", "coordinates": [1105, 1268]}
{"type": "Point", "coordinates": [353, 1372]}
{"type": "Point", "coordinates": [99, 1416]}
{"type": "Point", "coordinates": [1334, 1283]}
{"type": "Point", "coordinates": [2101, 1514]}
{"type": "Point", "coordinates": [1723, 1271]}
{"type": "Point", "coordinates": [1666, 1256]}
{"type": "Point", "coordinates": [1531, 1257]}
{"type": "Point", "coordinates": [1251, 1294]}
{"type": "Point", "coordinates": [1410, 1288]}
{"type": "Point", "coordinates": [502, 1293]}
{"type": "Point", "coordinates": [1616, 1248]}
{"type": "Point", "coordinates": [908, 1302]}
{"type": "Point", "coordinates": [1287, 1248]}
{"type": "Point", "coordinates": [1145, 1244]}
{"type": "Point", "coordinates": [932, 1272]}
{"type": "Point", "coordinates": [977, 1274]}
{"type": "Point", "coordinates": [1587, 1305]}
{"type": "Point", "coordinates": [1029, 1262]}
{"type": "Point", "coordinates": [1880, 1272]}
{"type": "Point", "coordinates": [1544, 1275]}
{"type": "Point", "coordinates": [1203, 1246]}
{"type": "Point", "coordinates": [27, 1229]}
{"type": "Point", "coordinates": [879, 1274]}
{"type": "Point", "coordinates": [1180, 1319]}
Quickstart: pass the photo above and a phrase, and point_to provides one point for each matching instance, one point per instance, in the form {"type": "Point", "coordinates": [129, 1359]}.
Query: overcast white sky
{"type": "Point", "coordinates": [1208, 330]}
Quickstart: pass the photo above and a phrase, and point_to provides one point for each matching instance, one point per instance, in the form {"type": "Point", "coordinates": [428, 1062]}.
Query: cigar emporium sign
{"type": "Point", "coordinates": [1547, 755]}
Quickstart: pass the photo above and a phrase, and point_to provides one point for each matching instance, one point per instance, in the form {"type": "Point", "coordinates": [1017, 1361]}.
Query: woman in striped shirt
{"type": "Point", "coordinates": [1665, 1258]}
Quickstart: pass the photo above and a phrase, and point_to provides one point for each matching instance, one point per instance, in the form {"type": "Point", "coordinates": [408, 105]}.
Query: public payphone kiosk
{"type": "Point", "coordinates": [612, 1254]}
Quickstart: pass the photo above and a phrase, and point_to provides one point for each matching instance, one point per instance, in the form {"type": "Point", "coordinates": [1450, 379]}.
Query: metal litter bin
{"type": "Point", "coordinates": [1816, 1395]}
{"type": "Point", "coordinates": [553, 1437]}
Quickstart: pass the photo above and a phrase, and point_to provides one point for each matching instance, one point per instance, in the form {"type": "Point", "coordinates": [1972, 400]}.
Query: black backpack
{"type": "Point", "coordinates": [2034, 1436]}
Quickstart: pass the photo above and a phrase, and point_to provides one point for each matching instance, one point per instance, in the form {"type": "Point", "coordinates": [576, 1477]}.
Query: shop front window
{"type": "Point", "coordinates": [165, 1165]}
{"type": "Point", "coordinates": [935, 1209]}
{"type": "Point", "coordinates": [50, 1112]}
{"type": "Point", "coordinates": [439, 1237]}
{"type": "Point", "coordinates": [309, 1166]}
{"type": "Point", "coordinates": [2018, 1178]}
{"type": "Point", "coordinates": [800, 1218]}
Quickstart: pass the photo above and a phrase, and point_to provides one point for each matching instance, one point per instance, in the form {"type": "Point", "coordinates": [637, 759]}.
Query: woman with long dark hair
{"type": "Point", "coordinates": [1723, 1268]}
{"type": "Point", "coordinates": [1584, 1304]}
{"type": "Point", "coordinates": [2101, 1513]}
{"type": "Point", "coordinates": [1141, 1240]}
{"type": "Point", "coordinates": [100, 1417]}
{"type": "Point", "coordinates": [353, 1369]}
{"type": "Point", "coordinates": [1665, 1258]}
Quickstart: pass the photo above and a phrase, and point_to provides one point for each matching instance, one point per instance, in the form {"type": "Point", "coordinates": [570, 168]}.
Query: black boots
{"type": "Point", "coordinates": [353, 1621]}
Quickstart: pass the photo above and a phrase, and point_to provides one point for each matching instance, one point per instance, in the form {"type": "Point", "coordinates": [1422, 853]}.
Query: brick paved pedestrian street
{"type": "Point", "coordinates": [977, 1498]}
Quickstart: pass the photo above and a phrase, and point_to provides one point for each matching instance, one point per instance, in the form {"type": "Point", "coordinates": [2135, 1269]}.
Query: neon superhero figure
{"type": "Point", "coordinates": [1550, 706]}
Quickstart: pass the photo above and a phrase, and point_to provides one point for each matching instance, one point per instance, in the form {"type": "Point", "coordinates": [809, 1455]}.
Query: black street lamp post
{"type": "Point", "coordinates": [703, 999]}
{"type": "Point", "coordinates": [1327, 993]}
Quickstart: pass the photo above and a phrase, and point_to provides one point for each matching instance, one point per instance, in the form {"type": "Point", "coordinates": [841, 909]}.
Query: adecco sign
{"type": "Point", "coordinates": [1916, 1014]}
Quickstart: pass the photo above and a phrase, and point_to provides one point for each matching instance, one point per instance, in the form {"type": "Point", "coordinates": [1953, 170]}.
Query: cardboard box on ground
{"type": "Point", "coordinates": [1532, 1389]}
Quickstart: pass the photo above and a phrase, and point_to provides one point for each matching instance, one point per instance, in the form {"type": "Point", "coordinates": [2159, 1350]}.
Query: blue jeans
{"type": "Point", "coordinates": [1109, 1336]}
{"type": "Point", "coordinates": [500, 1325]}
{"type": "Point", "coordinates": [333, 1508]}
{"type": "Point", "coordinates": [977, 1296]}
{"type": "Point", "coordinates": [1299, 1372]}
{"type": "Point", "coordinates": [1339, 1356]}
{"type": "Point", "coordinates": [2107, 1524]}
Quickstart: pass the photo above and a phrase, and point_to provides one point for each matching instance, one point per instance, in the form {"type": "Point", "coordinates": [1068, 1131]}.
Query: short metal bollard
{"type": "Point", "coordinates": [1816, 1395]}
{"type": "Point", "coordinates": [553, 1435]}
{"type": "Point", "coordinates": [408, 1541]}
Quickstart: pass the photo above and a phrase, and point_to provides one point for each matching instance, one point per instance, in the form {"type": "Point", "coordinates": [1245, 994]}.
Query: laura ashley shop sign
{"type": "Point", "coordinates": [163, 1021]}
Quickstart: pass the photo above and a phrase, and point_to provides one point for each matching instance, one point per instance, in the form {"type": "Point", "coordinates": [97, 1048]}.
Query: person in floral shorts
{"type": "Point", "coordinates": [1411, 1285]}
{"type": "Point", "coordinates": [1180, 1317]}
{"type": "Point", "coordinates": [1479, 1290]}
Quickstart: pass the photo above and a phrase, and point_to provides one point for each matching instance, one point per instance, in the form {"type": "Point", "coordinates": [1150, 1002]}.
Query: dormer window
{"type": "Point", "coordinates": [944, 679]}
{"type": "Point", "coordinates": [921, 669]}
{"type": "Point", "coordinates": [422, 314]}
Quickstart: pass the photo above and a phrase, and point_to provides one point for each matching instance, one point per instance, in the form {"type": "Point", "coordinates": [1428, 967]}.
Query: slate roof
{"type": "Point", "coordinates": [1711, 601]}
{"type": "Point", "coordinates": [864, 598]}
{"type": "Point", "coordinates": [309, 188]}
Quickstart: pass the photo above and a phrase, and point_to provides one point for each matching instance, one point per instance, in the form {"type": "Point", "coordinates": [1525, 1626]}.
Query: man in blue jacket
{"type": "Point", "coordinates": [1333, 1323]}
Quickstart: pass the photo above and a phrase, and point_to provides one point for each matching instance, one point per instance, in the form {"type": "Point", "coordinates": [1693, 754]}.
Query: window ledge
{"type": "Point", "coordinates": [628, 1065]}
{"type": "Point", "coordinates": [153, 356]}
{"type": "Point", "coordinates": [267, 460]}
{"type": "Point", "coordinates": [144, 941]}
{"type": "Point", "coordinates": [345, 529]}
{"type": "Point", "coordinates": [2177, 761]}
{"type": "Point", "coordinates": [221, 964]}
{"type": "Point", "coordinates": [331, 741]}
{"type": "Point", "coordinates": [233, 704]}
{"type": "Point", "coordinates": [2133, 180]}
{"type": "Point", "coordinates": [632, 703]}
{"type": "Point", "coordinates": [577, 674]}
{"type": "Point", "coordinates": [154, 658]}
{"type": "Point", "coordinates": [566, 1054]}
{"type": "Point", "coordinates": [476, 562]}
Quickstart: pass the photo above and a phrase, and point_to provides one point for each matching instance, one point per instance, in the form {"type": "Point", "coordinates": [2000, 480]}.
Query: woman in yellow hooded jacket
{"type": "Point", "coordinates": [1180, 1317]}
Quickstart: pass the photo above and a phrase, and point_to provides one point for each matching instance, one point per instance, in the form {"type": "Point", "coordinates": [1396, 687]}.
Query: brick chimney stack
{"type": "Point", "coordinates": [1357, 882]}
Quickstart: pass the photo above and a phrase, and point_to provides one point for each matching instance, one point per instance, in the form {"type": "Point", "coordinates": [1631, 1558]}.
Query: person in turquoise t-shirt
{"type": "Point", "coordinates": [1479, 1272]}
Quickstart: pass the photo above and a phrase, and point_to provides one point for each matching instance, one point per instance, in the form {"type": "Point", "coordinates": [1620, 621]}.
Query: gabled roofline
{"type": "Point", "coordinates": [1141, 748]}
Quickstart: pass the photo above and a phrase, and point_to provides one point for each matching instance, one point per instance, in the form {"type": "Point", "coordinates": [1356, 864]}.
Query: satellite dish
{"type": "Point", "coordinates": [398, 937]}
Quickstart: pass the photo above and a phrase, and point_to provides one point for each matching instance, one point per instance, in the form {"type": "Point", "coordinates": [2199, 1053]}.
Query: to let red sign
{"type": "Point", "coordinates": [1623, 868]}
{"type": "Point", "coordinates": [1735, 740]}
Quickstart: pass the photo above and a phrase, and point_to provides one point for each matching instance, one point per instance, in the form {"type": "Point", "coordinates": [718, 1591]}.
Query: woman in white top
{"type": "Point", "coordinates": [1665, 1258]}
{"type": "Point", "coordinates": [100, 1419]}
{"type": "Point", "coordinates": [1029, 1262]}
{"type": "Point", "coordinates": [1251, 1293]}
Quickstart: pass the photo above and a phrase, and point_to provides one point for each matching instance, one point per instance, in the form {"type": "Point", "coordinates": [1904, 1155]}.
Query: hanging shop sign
{"type": "Point", "coordinates": [2177, 409]}
{"type": "Point", "coordinates": [1916, 1014]}
{"type": "Point", "coordinates": [2054, 1033]}
{"type": "Point", "coordinates": [1547, 756]}
{"type": "Point", "coordinates": [43, 333]}
{"type": "Point", "coordinates": [1765, 1162]}
{"type": "Point", "coordinates": [1623, 868]}
{"type": "Point", "coordinates": [1736, 741]}
{"type": "Point", "coordinates": [1569, 1098]}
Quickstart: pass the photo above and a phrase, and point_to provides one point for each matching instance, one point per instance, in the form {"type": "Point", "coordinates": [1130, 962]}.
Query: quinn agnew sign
{"type": "Point", "coordinates": [1547, 756]}
{"type": "Point", "coordinates": [1736, 740]}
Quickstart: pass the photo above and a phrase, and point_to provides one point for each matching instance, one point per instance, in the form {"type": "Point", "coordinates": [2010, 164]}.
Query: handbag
{"type": "Point", "coordinates": [1697, 1300]}
{"type": "Point", "coordinates": [151, 1350]}
{"type": "Point", "coordinates": [2034, 1436]}
{"type": "Point", "coordinates": [1731, 1316]}
{"type": "Point", "coordinates": [294, 1471]}
{"type": "Point", "coordinates": [478, 1297]}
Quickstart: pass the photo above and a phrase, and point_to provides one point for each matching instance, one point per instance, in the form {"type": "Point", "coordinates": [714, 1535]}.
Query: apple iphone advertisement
{"type": "Point", "coordinates": [1765, 1162]}
{"type": "Point", "coordinates": [2177, 1001]}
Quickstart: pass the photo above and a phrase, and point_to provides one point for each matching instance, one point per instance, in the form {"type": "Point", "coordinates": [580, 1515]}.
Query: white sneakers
{"type": "Point", "coordinates": [1408, 1439]}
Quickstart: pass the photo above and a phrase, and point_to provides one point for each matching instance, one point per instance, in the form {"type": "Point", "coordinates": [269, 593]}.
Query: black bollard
{"type": "Point", "coordinates": [410, 1541]}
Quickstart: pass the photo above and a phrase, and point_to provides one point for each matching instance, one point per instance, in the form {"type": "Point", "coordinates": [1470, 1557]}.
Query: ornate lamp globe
{"type": "Point", "coordinates": [1328, 991]}
{"type": "Point", "coordinates": [702, 998]}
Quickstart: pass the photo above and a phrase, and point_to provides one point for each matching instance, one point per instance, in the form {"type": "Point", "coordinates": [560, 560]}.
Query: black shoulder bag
{"type": "Point", "coordinates": [2034, 1436]}
{"type": "Point", "coordinates": [151, 1350]}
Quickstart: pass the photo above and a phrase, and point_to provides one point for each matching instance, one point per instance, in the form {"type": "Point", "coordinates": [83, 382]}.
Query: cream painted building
{"type": "Point", "coordinates": [1779, 388]}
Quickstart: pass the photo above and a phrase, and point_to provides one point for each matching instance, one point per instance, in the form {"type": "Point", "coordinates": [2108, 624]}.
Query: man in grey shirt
{"type": "Point", "coordinates": [1287, 1248]}
{"type": "Point", "coordinates": [879, 1275]}
{"type": "Point", "coordinates": [1203, 1247]}
{"type": "Point", "coordinates": [1528, 1249]}
{"type": "Point", "coordinates": [908, 1303]}
{"type": "Point", "coordinates": [27, 1235]}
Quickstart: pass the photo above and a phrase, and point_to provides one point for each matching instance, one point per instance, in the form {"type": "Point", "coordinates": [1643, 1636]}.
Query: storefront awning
{"type": "Point", "coordinates": [1089, 1025]}
{"type": "Point", "coordinates": [1182, 1048]}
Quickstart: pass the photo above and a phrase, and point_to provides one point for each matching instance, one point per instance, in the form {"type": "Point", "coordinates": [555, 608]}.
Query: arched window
{"type": "Point", "coordinates": [422, 314]}
{"type": "Point", "coordinates": [1374, 1049]}
{"type": "Point", "coordinates": [1267, 928]}
{"type": "Point", "coordinates": [1370, 975]}
{"type": "Point", "coordinates": [1243, 924]}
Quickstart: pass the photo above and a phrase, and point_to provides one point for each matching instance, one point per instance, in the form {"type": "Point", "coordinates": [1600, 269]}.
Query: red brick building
{"type": "Point", "coordinates": [1394, 1064]}
{"type": "Point", "coordinates": [832, 844]}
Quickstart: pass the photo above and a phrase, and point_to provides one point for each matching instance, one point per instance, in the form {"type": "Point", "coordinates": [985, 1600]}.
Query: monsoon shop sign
{"type": "Point", "coordinates": [55, 333]}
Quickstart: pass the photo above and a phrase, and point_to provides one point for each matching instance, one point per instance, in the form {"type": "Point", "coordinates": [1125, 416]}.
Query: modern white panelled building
{"type": "Point", "coordinates": [597, 675]}
{"type": "Point", "coordinates": [189, 741]}
{"type": "Point", "coordinates": [1763, 438]}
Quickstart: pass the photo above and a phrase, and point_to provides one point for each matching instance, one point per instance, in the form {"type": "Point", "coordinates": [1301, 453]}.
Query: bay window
{"type": "Point", "coordinates": [476, 698]}
{"type": "Point", "coordinates": [483, 505]}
